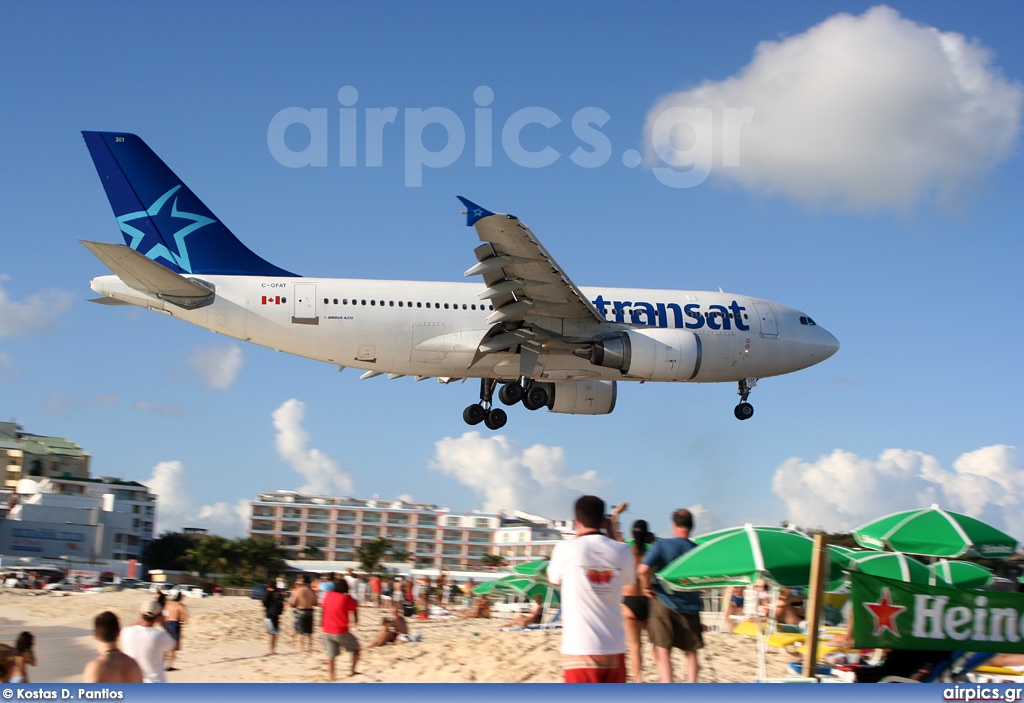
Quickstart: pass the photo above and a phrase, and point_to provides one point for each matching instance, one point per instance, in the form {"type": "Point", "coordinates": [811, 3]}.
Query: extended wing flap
{"type": "Point", "coordinates": [523, 280]}
{"type": "Point", "coordinates": [147, 276]}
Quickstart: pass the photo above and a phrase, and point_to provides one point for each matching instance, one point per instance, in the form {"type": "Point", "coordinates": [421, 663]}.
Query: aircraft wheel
{"type": "Point", "coordinates": [496, 419]}
{"type": "Point", "coordinates": [744, 411]}
{"type": "Point", "coordinates": [474, 414]}
{"type": "Point", "coordinates": [511, 393]}
{"type": "Point", "coordinates": [536, 398]}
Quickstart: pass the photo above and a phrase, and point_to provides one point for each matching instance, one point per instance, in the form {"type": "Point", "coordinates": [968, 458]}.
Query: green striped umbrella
{"type": "Point", "coordinates": [890, 565]}
{"type": "Point", "coordinates": [533, 569]}
{"type": "Point", "coordinates": [708, 536]}
{"type": "Point", "coordinates": [935, 532]}
{"type": "Point", "coordinates": [517, 585]}
{"type": "Point", "coordinates": [742, 556]}
{"type": "Point", "coordinates": [959, 574]}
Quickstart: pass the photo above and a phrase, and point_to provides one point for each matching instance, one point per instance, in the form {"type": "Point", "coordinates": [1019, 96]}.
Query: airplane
{"type": "Point", "coordinates": [526, 331]}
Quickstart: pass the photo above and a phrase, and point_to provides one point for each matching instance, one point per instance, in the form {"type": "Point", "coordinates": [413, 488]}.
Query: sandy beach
{"type": "Point", "coordinates": [224, 641]}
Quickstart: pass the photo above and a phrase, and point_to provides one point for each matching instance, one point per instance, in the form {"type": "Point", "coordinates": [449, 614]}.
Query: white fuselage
{"type": "Point", "coordinates": [433, 329]}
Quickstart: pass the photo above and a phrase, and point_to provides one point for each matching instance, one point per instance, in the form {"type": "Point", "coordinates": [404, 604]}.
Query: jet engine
{"type": "Point", "coordinates": [581, 397]}
{"type": "Point", "coordinates": [653, 354]}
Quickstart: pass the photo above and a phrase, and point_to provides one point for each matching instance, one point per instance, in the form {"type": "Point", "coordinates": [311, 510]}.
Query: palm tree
{"type": "Point", "coordinates": [371, 552]}
{"type": "Point", "coordinates": [493, 561]}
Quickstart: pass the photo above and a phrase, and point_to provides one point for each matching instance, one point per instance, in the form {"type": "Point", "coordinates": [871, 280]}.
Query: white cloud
{"type": "Point", "coordinates": [841, 491]}
{"type": "Point", "coordinates": [174, 504]}
{"type": "Point", "coordinates": [704, 520]}
{"type": "Point", "coordinates": [867, 112]}
{"type": "Point", "coordinates": [324, 475]}
{"type": "Point", "coordinates": [218, 365]}
{"type": "Point", "coordinates": [507, 477]}
{"type": "Point", "coordinates": [225, 519]}
{"type": "Point", "coordinates": [177, 509]}
{"type": "Point", "coordinates": [36, 313]}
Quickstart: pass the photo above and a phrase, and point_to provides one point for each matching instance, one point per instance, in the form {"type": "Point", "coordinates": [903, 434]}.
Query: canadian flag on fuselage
{"type": "Point", "coordinates": [271, 300]}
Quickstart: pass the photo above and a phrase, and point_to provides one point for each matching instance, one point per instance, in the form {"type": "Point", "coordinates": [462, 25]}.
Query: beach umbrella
{"type": "Point", "coordinates": [959, 574]}
{"type": "Point", "coordinates": [741, 556]}
{"type": "Point", "coordinates": [890, 565]}
{"type": "Point", "coordinates": [708, 536]}
{"type": "Point", "coordinates": [935, 532]}
{"type": "Point", "coordinates": [533, 569]}
{"type": "Point", "coordinates": [522, 586]}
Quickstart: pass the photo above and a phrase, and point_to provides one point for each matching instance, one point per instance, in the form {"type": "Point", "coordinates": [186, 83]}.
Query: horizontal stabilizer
{"type": "Point", "coordinates": [147, 276]}
{"type": "Point", "coordinates": [108, 301]}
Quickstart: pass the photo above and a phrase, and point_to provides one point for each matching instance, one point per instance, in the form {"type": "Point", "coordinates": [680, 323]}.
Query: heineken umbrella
{"type": "Point", "coordinates": [707, 537]}
{"type": "Point", "coordinates": [523, 586]}
{"type": "Point", "coordinates": [959, 574]}
{"type": "Point", "coordinates": [533, 569]}
{"type": "Point", "coordinates": [742, 556]}
{"type": "Point", "coordinates": [935, 532]}
{"type": "Point", "coordinates": [890, 565]}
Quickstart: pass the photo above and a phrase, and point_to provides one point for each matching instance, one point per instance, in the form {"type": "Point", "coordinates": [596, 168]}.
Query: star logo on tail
{"type": "Point", "coordinates": [159, 249]}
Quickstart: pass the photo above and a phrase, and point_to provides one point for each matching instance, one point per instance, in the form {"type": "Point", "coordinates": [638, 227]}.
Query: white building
{"type": "Point", "coordinates": [83, 519]}
{"type": "Point", "coordinates": [520, 539]}
{"type": "Point", "coordinates": [331, 529]}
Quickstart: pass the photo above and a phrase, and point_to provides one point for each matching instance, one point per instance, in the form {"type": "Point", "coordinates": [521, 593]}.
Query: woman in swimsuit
{"type": "Point", "coordinates": [634, 604]}
{"type": "Point", "coordinates": [24, 657]}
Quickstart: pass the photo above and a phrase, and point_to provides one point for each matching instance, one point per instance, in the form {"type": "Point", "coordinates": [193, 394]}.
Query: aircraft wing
{"type": "Point", "coordinates": [523, 281]}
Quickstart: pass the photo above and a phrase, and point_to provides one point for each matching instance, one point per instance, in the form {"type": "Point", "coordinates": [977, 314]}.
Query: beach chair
{"type": "Point", "coordinates": [957, 668]}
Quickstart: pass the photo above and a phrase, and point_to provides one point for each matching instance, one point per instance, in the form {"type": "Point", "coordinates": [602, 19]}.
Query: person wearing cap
{"type": "Point", "coordinates": [147, 644]}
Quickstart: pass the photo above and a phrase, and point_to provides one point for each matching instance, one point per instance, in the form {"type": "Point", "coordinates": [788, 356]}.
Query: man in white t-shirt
{"type": "Point", "coordinates": [146, 644]}
{"type": "Point", "coordinates": [591, 571]}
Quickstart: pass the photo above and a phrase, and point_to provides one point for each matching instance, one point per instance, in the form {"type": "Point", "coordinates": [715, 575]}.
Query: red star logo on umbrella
{"type": "Point", "coordinates": [885, 613]}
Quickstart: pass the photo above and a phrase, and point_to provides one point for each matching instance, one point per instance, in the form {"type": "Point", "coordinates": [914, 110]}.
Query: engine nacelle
{"type": "Point", "coordinates": [655, 354]}
{"type": "Point", "coordinates": [582, 397]}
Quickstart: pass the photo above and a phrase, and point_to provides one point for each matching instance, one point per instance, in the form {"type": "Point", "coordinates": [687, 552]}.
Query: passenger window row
{"type": "Point", "coordinates": [407, 304]}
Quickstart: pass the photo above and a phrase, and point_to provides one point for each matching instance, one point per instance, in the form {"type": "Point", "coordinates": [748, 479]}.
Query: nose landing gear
{"type": "Point", "coordinates": [744, 411]}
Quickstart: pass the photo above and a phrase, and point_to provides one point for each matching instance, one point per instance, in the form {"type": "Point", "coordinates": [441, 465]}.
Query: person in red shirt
{"type": "Point", "coordinates": [337, 605]}
{"type": "Point", "coordinates": [375, 590]}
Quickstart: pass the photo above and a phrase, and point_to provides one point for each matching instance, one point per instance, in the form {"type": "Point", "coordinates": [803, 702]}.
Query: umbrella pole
{"type": "Point", "coordinates": [819, 567]}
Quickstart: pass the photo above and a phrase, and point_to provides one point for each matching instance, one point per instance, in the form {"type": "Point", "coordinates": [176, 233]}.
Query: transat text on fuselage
{"type": "Point", "coordinates": [689, 316]}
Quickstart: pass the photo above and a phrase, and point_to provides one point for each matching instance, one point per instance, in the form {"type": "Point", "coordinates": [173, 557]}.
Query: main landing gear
{"type": "Point", "coordinates": [533, 397]}
{"type": "Point", "coordinates": [744, 411]}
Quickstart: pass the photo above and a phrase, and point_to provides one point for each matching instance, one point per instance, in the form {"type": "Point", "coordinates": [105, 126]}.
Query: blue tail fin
{"type": "Point", "coordinates": [161, 218]}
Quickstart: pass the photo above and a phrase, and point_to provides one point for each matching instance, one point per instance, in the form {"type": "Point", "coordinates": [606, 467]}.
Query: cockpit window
{"type": "Point", "coordinates": [804, 320]}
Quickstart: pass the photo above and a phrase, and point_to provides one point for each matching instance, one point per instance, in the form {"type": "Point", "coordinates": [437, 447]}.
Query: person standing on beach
{"type": "Point", "coordinates": [273, 606]}
{"type": "Point", "coordinates": [591, 571]}
{"type": "Point", "coordinates": [337, 605]}
{"type": "Point", "coordinates": [674, 619]}
{"type": "Point", "coordinates": [112, 665]}
{"type": "Point", "coordinates": [303, 600]}
{"type": "Point", "coordinates": [175, 615]}
{"type": "Point", "coordinates": [635, 605]}
{"type": "Point", "coordinates": [148, 645]}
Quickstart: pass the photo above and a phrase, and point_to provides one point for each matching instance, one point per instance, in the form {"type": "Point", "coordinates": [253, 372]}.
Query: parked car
{"type": "Point", "coordinates": [59, 586]}
{"type": "Point", "coordinates": [163, 587]}
{"type": "Point", "coordinates": [259, 591]}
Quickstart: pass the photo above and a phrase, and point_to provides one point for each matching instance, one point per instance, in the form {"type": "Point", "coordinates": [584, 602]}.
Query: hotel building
{"type": "Point", "coordinates": [331, 529]}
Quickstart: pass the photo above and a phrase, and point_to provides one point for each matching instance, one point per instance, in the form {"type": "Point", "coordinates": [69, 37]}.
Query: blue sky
{"type": "Point", "coordinates": [878, 189]}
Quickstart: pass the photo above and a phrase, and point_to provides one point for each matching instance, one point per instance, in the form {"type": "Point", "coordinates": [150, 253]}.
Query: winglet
{"type": "Point", "coordinates": [473, 211]}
